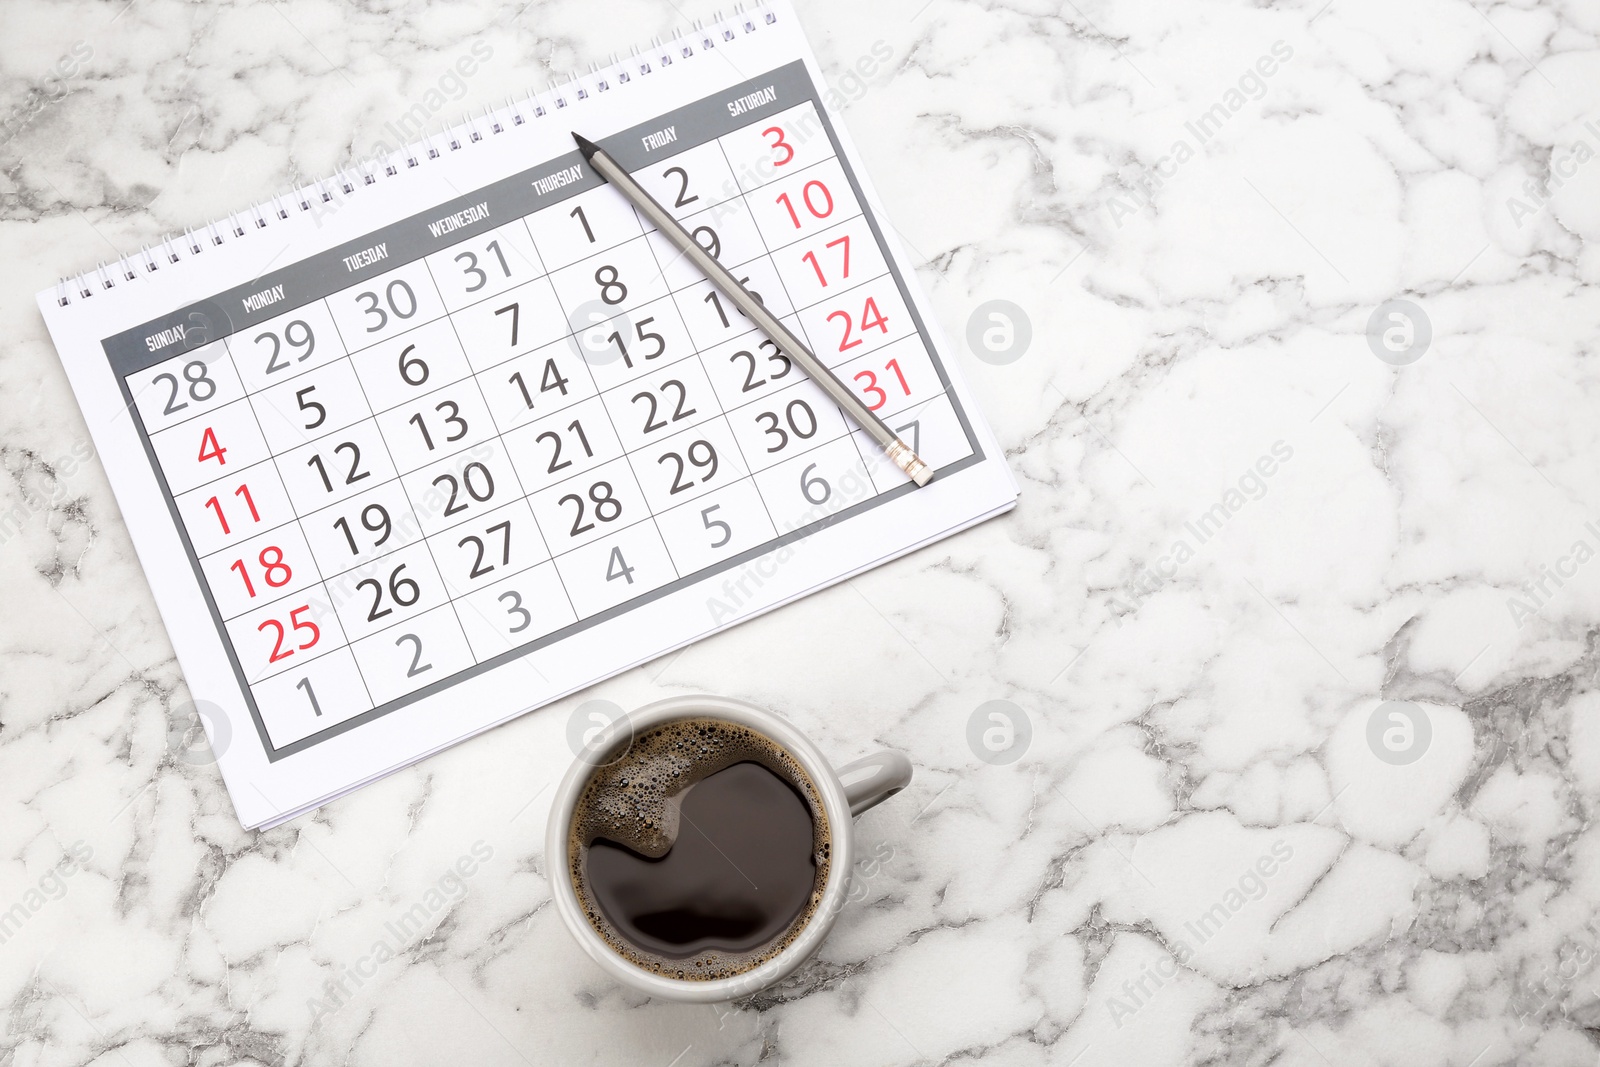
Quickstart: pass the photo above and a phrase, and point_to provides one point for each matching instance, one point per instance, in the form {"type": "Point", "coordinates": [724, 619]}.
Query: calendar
{"type": "Point", "coordinates": [421, 448]}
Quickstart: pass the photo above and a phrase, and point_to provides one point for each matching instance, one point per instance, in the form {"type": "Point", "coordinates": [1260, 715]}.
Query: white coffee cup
{"type": "Point", "coordinates": [845, 793]}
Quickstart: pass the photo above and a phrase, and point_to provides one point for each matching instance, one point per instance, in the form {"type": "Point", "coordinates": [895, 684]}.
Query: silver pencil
{"type": "Point", "coordinates": [897, 450]}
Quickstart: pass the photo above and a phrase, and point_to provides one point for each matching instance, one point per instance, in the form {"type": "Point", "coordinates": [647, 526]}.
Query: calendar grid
{"type": "Point", "coordinates": [757, 503]}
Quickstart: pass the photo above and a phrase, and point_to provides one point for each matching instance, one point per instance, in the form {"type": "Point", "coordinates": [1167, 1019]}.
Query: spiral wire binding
{"type": "Point", "coordinates": [638, 64]}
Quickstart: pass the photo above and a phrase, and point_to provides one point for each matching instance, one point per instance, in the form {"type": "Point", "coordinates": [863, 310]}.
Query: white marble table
{"type": "Point", "coordinates": [1241, 533]}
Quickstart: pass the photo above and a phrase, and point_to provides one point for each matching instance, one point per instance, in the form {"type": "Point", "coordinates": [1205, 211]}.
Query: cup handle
{"type": "Point", "coordinates": [873, 779]}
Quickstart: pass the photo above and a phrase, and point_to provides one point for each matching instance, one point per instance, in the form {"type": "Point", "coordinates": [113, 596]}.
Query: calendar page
{"type": "Point", "coordinates": [425, 447]}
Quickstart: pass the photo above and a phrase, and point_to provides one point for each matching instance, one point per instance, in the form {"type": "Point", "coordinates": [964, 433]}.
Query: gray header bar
{"type": "Point", "coordinates": [449, 223]}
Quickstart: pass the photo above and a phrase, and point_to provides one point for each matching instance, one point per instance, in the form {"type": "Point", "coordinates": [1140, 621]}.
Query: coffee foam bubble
{"type": "Point", "coordinates": [633, 801]}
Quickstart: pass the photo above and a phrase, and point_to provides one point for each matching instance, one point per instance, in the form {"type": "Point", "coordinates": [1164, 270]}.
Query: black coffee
{"type": "Point", "coordinates": [702, 852]}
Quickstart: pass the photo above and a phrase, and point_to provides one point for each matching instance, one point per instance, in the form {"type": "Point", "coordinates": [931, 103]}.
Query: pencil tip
{"type": "Point", "coordinates": [586, 146]}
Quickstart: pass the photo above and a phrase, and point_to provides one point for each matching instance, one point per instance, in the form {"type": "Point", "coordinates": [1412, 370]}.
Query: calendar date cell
{"type": "Point", "coordinates": [801, 204]}
{"type": "Point", "coordinates": [515, 610]}
{"type": "Point", "coordinates": [662, 403]}
{"type": "Point", "coordinates": [853, 322]}
{"type": "Point", "coordinates": [489, 548]}
{"type": "Point", "coordinates": [933, 432]}
{"type": "Point", "coordinates": [259, 570]}
{"type": "Point", "coordinates": [582, 225]}
{"type": "Point", "coordinates": [712, 318]}
{"type": "Point", "coordinates": [727, 232]}
{"type": "Point", "coordinates": [810, 487]}
{"type": "Point", "coordinates": [831, 261]}
{"type": "Point", "coordinates": [619, 348]}
{"type": "Point", "coordinates": [615, 569]}
{"type": "Point", "coordinates": [785, 143]}
{"type": "Point", "coordinates": [462, 488]}
{"type": "Point", "coordinates": [336, 467]}
{"type": "Point", "coordinates": [324, 692]}
{"type": "Point", "coordinates": [619, 278]}
{"type": "Point", "coordinates": [311, 405]}
{"type": "Point", "coordinates": [420, 651]}
{"type": "Point", "coordinates": [436, 425]}
{"type": "Point", "coordinates": [894, 378]}
{"type": "Point", "coordinates": [202, 450]}
{"type": "Point", "coordinates": [689, 182]}
{"type": "Point", "coordinates": [562, 446]}
{"type": "Point", "coordinates": [531, 386]}
{"type": "Point", "coordinates": [410, 365]}
{"type": "Point", "coordinates": [185, 387]}
{"type": "Point", "coordinates": [354, 531]}
{"type": "Point", "coordinates": [385, 591]}
{"type": "Point", "coordinates": [286, 634]}
{"type": "Point", "coordinates": [750, 367]}
{"type": "Point", "coordinates": [589, 506]}
{"type": "Point", "coordinates": [485, 265]}
{"type": "Point", "coordinates": [250, 502]}
{"type": "Point", "coordinates": [517, 321]}
{"type": "Point", "coordinates": [786, 423]}
{"type": "Point", "coordinates": [388, 304]}
{"type": "Point", "coordinates": [715, 527]}
{"type": "Point", "coordinates": [688, 465]}
{"type": "Point", "coordinates": [293, 343]}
